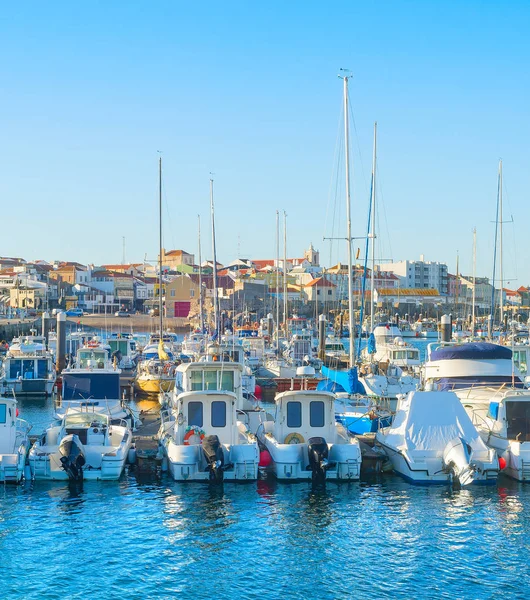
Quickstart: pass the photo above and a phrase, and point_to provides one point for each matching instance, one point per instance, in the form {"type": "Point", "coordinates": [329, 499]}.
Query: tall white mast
{"type": "Point", "coordinates": [277, 278]}
{"type": "Point", "coordinates": [474, 281]}
{"type": "Point", "coordinates": [372, 281]}
{"type": "Point", "coordinates": [160, 299]}
{"type": "Point", "coordinates": [285, 269]}
{"type": "Point", "coordinates": [500, 237]}
{"type": "Point", "coordinates": [215, 291]}
{"type": "Point", "coordinates": [351, 324]}
{"type": "Point", "coordinates": [201, 308]}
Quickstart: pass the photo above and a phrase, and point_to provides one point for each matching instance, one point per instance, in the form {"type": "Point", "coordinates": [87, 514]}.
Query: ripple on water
{"type": "Point", "coordinates": [160, 539]}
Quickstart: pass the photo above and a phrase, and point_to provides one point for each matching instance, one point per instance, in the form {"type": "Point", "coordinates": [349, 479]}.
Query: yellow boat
{"type": "Point", "coordinates": [155, 376]}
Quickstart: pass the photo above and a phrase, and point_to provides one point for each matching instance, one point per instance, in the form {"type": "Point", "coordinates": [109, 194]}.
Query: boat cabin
{"type": "Point", "coordinates": [511, 416]}
{"type": "Point", "coordinates": [209, 376]}
{"type": "Point", "coordinates": [301, 415]}
{"type": "Point", "coordinates": [203, 413]}
{"type": "Point", "coordinates": [8, 425]}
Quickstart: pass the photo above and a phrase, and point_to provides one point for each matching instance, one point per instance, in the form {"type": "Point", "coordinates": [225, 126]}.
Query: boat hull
{"type": "Point", "coordinates": [153, 386]}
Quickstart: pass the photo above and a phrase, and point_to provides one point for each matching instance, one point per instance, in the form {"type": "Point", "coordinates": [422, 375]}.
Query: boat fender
{"type": "Point", "coordinates": [294, 438]}
{"type": "Point", "coordinates": [193, 431]}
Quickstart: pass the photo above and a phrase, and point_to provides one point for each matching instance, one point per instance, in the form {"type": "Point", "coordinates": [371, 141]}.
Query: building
{"type": "Point", "coordinates": [320, 290]}
{"type": "Point", "coordinates": [420, 274]}
{"type": "Point", "coordinates": [175, 258]}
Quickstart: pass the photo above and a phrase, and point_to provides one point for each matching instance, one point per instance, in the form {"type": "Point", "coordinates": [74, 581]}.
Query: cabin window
{"type": "Point", "coordinates": [316, 413]}
{"type": "Point", "coordinates": [227, 381]}
{"type": "Point", "coordinates": [196, 381]}
{"type": "Point", "coordinates": [518, 421]}
{"type": "Point", "coordinates": [42, 370]}
{"type": "Point", "coordinates": [3, 411]}
{"type": "Point", "coordinates": [210, 380]}
{"type": "Point", "coordinates": [219, 413]}
{"type": "Point", "coordinates": [294, 414]}
{"type": "Point", "coordinates": [15, 368]}
{"type": "Point", "coordinates": [195, 414]}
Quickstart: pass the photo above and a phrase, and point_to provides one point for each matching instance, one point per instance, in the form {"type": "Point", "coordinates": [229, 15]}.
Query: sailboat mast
{"type": "Point", "coordinates": [285, 268]}
{"type": "Point", "coordinates": [501, 301]}
{"type": "Point", "coordinates": [372, 280]}
{"type": "Point", "coordinates": [160, 299]}
{"type": "Point", "coordinates": [457, 282]}
{"type": "Point", "coordinates": [277, 277]}
{"type": "Point", "coordinates": [474, 282]}
{"type": "Point", "coordinates": [215, 290]}
{"type": "Point", "coordinates": [348, 221]}
{"type": "Point", "coordinates": [201, 308]}
{"type": "Point", "coordinates": [492, 319]}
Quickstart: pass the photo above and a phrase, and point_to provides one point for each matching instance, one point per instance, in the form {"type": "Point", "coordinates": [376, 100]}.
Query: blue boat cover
{"type": "Point", "coordinates": [473, 350]}
{"type": "Point", "coordinates": [447, 384]}
{"type": "Point", "coordinates": [371, 344]}
{"type": "Point", "coordinates": [341, 381]}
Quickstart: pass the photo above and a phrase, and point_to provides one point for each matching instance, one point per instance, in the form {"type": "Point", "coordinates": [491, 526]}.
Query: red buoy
{"type": "Point", "coordinates": [17, 413]}
{"type": "Point", "coordinates": [502, 463]}
{"type": "Point", "coordinates": [265, 458]}
{"type": "Point", "coordinates": [258, 392]}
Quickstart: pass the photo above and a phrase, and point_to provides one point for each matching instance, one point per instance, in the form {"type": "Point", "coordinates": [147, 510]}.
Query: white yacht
{"type": "Point", "coordinates": [14, 442]}
{"type": "Point", "coordinates": [28, 368]}
{"type": "Point", "coordinates": [305, 441]}
{"type": "Point", "coordinates": [391, 349]}
{"type": "Point", "coordinates": [84, 445]}
{"type": "Point", "coordinates": [432, 440]}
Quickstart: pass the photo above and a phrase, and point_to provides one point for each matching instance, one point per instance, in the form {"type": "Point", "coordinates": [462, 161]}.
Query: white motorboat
{"type": "Point", "coordinates": [84, 445]}
{"type": "Point", "coordinates": [391, 349]}
{"type": "Point", "coordinates": [14, 442]}
{"type": "Point", "coordinates": [305, 441]}
{"type": "Point", "coordinates": [28, 368]}
{"type": "Point", "coordinates": [92, 383]}
{"type": "Point", "coordinates": [432, 440]}
{"type": "Point", "coordinates": [203, 440]}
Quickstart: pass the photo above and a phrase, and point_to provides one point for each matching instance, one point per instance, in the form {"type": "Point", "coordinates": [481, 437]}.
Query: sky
{"type": "Point", "coordinates": [91, 92]}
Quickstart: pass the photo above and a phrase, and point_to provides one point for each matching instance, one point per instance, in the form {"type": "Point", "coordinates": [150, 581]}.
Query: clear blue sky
{"type": "Point", "coordinates": [90, 91]}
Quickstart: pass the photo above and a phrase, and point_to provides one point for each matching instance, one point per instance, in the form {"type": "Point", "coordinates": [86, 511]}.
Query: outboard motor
{"type": "Point", "coordinates": [457, 460]}
{"type": "Point", "coordinates": [213, 452]}
{"type": "Point", "coordinates": [72, 456]}
{"type": "Point", "coordinates": [318, 451]}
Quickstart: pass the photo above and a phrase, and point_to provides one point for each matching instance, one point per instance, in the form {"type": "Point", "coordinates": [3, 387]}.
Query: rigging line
{"type": "Point", "coordinates": [363, 174]}
{"type": "Point", "coordinates": [336, 218]}
{"type": "Point", "coordinates": [506, 196]}
{"type": "Point", "coordinates": [361, 316]}
{"type": "Point", "coordinates": [385, 219]}
{"type": "Point", "coordinates": [338, 148]}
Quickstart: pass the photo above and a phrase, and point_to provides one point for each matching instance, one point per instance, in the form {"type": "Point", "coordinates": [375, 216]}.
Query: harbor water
{"type": "Point", "coordinates": [157, 539]}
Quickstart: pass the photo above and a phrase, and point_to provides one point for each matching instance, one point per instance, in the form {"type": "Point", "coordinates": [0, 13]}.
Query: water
{"type": "Point", "coordinates": [160, 539]}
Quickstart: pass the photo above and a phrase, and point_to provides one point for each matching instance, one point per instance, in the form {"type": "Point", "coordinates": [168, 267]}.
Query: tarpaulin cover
{"type": "Point", "coordinates": [427, 421]}
{"type": "Point", "coordinates": [472, 351]}
{"type": "Point", "coordinates": [347, 380]}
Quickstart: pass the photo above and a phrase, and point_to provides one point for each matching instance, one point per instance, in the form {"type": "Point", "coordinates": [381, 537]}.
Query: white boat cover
{"type": "Point", "coordinates": [427, 421]}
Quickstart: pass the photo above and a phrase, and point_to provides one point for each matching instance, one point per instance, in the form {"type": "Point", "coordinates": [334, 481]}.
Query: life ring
{"type": "Point", "coordinates": [294, 438]}
{"type": "Point", "coordinates": [256, 326]}
{"type": "Point", "coordinates": [190, 432]}
{"type": "Point", "coordinates": [167, 368]}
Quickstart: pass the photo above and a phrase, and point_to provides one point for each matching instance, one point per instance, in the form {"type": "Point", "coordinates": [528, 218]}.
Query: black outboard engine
{"type": "Point", "coordinates": [72, 456]}
{"type": "Point", "coordinates": [317, 448]}
{"type": "Point", "coordinates": [213, 452]}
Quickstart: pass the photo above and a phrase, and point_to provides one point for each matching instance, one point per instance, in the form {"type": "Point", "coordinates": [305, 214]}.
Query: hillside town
{"type": "Point", "coordinates": [410, 287]}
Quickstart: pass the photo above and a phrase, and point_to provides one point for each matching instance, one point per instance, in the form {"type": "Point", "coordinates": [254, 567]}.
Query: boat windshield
{"type": "Point", "coordinates": [94, 359]}
{"type": "Point", "coordinates": [85, 419]}
{"type": "Point", "coordinates": [518, 420]}
{"type": "Point", "coordinates": [119, 346]}
{"type": "Point", "coordinates": [212, 379]}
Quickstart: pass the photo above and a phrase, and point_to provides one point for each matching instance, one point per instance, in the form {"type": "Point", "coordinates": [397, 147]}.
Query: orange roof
{"type": "Point", "coordinates": [320, 282]}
